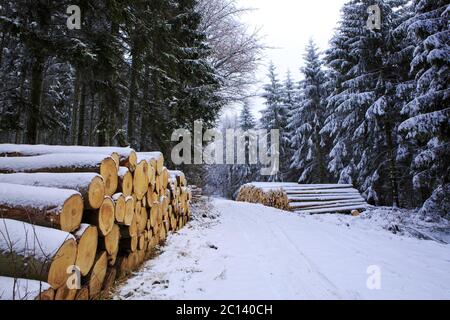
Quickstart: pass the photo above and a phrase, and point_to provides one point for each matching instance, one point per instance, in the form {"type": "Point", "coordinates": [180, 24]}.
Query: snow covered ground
{"type": "Point", "coordinates": [237, 250]}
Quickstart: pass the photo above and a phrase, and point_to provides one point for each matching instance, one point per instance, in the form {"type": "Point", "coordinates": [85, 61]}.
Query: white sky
{"type": "Point", "coordinates": [287, 26]}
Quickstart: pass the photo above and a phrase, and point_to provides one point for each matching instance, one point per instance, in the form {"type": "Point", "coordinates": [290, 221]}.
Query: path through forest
{"type": "Point", "coordinates": [235, 250]}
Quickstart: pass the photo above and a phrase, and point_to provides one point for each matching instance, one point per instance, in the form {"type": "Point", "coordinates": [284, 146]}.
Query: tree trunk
{"type": "Point", "coordinates": [37, 78]}
{"type": "Point", "coordinates": [103, 122]}
{"type": "Point", "coordinates": [81, 115]}
{"type": "Point", "coordinates": [23, 77]}
{"type": "Point", "coordinates": [145, 111]}
{"type": "Point", "coordinates": [392, 165]}
{"type": "Point", "coordinates": [75, 108]}
{"type": "Point", "coordinates": [135, 65]}
{"type": "Point", "coordinates": [91, 120]}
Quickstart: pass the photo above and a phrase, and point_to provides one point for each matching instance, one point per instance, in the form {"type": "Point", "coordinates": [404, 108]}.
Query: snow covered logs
{"type": "Point", "coordinates": [304, 198]}
{"type": "Point", "coordinates": [122, 225]}
{"type": "Point", "coordinates": [48, 207]}
{"type": "Point", "coordinates": [90, 185]}
{"type": "Point", "coordinates": [34, 252]}
{"type": "Point", "coordinates": [102, 164]}
{"type": "Point", "coordinates": [274, 197]}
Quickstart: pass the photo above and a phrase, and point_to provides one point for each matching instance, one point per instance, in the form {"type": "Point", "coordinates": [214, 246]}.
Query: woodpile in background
{"type": "Point", "coordinates": [103, 210]}
{"type": "Point", "coordinates": [271, 197]}
{"type": "Point", "coordinates": [196, 192]}
{"type": "Point", "coordinates": [304, 198]}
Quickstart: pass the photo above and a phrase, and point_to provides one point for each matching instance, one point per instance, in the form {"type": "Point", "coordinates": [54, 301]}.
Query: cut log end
{"type": "Point", "coordinates": [111, 241]}
{"type": "Point", "coordinates": [120, 208]}
{"type": "Point", "coordinates": [96, 192]}
{"type": "Point", "coordinates": [106, 216]}
{"type": "Point", "coordinates": [97, 274]}
{"type": "Point", "coordinates": [87, 248]}
{"type": "Point", "coordinates": [140, 182]}
{"type": "Point", "coordinates": [129, 211]}
{"type": "Point", "coordinates": [64, 258]}
{"type": "Point", "coordinates": [47, 295]}
{"type": "Point", "coordinates": [83, 294]}
{"type": "Point", "coordinates": [108, 170]}
{"type": "Point", "coordinates": [127, 184]}
{"type": "Point", "coordinates": [72, 213]}
{"type": "Point", "coordinates": [132, 161]}
{"type": "Point", "coordinates": [64, 293]}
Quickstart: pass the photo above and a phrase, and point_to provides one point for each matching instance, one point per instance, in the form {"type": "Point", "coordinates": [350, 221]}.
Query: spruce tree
{"type": "Point", "coordinates": [275, 116]}
{"type": "Point", "coordinates": [427, 126]}
{"type": "Point", "coordinates": [306, 121]}
{"type": "Point", "coordinates": [246, 119]}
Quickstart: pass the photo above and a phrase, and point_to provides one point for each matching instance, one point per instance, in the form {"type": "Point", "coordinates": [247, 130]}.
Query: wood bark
{"type": "Point", "coordinates": [33, 252]}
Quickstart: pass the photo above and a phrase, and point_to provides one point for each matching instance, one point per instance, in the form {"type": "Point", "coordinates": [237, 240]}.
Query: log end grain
{"type": "Point", "coordinates": [96, 192]}
{"type": "Point", "coordinates": [71, 213]}
{"type": "Point", "coordinates": [64, 293]}
{"type": "Point", "coordinates": [111, 240]}
{"type": "Point", "coordinates": [87, 248]}
{"type": "Point", "coordinates": [106, 216]}
{"type": "Point", "coordinates": [64, 258]}
{"type": "Point", "coordinates": [108, 170]}
{"type": "Point", "coordinates": [47, 295]}
{"type": "Point", "coordinates": [129, 211]}
{"type": "Point", "coordinates": [120, 207]}
{"type": "Point", "coordinates": [127, 184]}
{"type": "Point", "coordinates": [83, 293]}
{"type": "Point", "coordinates": [140, 179]}
{"type": "Point", "coordinates": [97, 275]}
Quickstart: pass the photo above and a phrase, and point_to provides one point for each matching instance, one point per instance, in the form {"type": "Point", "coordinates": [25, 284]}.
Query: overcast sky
{"type": "Point", "coordinates": [287, 26]}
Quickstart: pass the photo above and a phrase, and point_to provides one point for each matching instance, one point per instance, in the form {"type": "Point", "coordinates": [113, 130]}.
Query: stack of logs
{"type": "Point", "coordinates": [304, 198]}
{"type": "Point", "coordinates": [255, 193]}
{"type": "Point", "coordinates": [196, 192]}
{"type": "Point", "coordinates": [97, 212]}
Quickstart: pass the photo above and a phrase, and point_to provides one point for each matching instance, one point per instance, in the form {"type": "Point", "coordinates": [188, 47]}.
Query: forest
{"type": "Point", "coordinates": [133, 72]}
{"type": "Point", "coordinates": [372, 110]}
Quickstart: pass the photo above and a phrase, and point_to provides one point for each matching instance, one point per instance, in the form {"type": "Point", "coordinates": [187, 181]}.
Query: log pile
{"type": "Point", "coordinates": [304, 198]}
{"type": "Point", "coordinates": [271, 197]}
{"type": "Point", "coordinates": [196, 193]}
{"type": "Point", "coordinates": [103, 210]}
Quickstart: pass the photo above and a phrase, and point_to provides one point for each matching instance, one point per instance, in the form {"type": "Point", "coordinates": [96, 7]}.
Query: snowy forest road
{"type": "Point", "coordinates": [234, 250]}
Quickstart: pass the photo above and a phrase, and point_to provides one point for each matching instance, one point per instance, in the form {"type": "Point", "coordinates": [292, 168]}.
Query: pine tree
{"type": "Point", "coordinates": [247, 172]}
{"type": "Point", "coordinates": [275, 116]}
{"type": "Point", "coordinates": [306, 122]}
{"type": "Point", "coordinates": [289, 93]}
{"type": "Point", "coordinates": [246, 118]}
{"type": "Point", "coordinates": [427, 126]}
